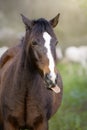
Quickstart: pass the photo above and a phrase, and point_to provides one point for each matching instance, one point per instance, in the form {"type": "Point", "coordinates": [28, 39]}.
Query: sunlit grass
{"type": "Point", "coordinates": [72, 114]}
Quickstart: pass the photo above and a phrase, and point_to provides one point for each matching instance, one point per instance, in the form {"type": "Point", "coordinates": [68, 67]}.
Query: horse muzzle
{"type": "Point", "coordinates": [50, 84]}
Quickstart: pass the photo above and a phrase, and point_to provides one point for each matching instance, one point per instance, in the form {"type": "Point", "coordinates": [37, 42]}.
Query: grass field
{"type": "Point", "coordinates": [72, 114]}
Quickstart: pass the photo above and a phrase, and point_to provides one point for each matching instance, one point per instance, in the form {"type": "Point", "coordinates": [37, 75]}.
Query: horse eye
{"type": "Point", "coordinates": [34, 43]}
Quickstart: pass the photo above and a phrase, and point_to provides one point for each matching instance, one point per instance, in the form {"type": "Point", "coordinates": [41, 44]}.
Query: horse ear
{"type": "Point", "coordinates": [27, 22]}
{"type": "Point", "coordinates": [55, 21]}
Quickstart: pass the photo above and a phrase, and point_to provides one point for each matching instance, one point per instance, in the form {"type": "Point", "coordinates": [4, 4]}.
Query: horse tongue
{"type": "Point", "coordinates": [56, 89]}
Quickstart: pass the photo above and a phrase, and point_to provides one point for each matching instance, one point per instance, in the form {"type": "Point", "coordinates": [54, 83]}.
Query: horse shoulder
{"type": "Point", "coordinates": [8, 55]}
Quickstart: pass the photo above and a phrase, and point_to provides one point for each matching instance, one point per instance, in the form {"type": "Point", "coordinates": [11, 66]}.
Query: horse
{"type": "Point", "coordinates": [30, 85]}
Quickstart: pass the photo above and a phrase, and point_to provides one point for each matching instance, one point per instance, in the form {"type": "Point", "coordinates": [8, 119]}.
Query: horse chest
{"type": "Point", "coordinates": [28, 103]}
{"type": "Point", "coordinates": [37, 104]}
{"type": "Point", "coordinates": [31, 108]}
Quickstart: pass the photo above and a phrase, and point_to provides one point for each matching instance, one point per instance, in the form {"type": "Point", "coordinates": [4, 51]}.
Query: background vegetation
{"type": "Point", "coordinates": [72, 114]}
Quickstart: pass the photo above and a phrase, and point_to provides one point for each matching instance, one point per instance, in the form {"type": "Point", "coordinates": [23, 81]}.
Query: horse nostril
{"type": "Point", "coordinates": [48, 79]}
{"type": "Point", "coordinates": [47, 75]}
{"type": "Point", "coordinates": [56, 79]}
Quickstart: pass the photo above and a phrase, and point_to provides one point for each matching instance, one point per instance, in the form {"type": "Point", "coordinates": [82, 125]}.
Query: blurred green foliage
{"type": "Point", "coordinates": [72, 114]}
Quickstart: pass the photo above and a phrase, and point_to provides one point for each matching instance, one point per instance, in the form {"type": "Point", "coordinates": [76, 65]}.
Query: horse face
{"type": "Point", "coordinates": [44, 54]}
{"type": "Point", "coordinates": [42, 43]}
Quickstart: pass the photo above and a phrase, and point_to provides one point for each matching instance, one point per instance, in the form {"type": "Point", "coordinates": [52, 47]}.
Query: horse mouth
{"type": "Point", "coordinates": [53, 87]}
{"type": "Point", "coordinates": [56, 89]}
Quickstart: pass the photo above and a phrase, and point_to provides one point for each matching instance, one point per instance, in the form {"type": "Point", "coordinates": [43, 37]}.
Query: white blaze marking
{"type": "Point", "coordinates": [47, 39]}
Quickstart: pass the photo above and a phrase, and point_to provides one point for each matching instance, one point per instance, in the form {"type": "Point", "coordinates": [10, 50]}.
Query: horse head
{"type": "Point", "coordinates": [41, 48]}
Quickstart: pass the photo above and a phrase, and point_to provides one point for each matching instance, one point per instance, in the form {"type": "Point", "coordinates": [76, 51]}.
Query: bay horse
{"type": "Point", "coordinates": [30, 85]}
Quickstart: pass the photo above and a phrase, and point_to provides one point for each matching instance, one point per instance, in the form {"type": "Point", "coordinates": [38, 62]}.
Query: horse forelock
{"type": "Point", "coordinates": [38, 28]}
{"type": "Point", "coordinates": [41, 25]}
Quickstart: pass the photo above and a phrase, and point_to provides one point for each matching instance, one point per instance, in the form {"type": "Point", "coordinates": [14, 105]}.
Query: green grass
{"type": "Point", "coordinates": [72, 115]}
